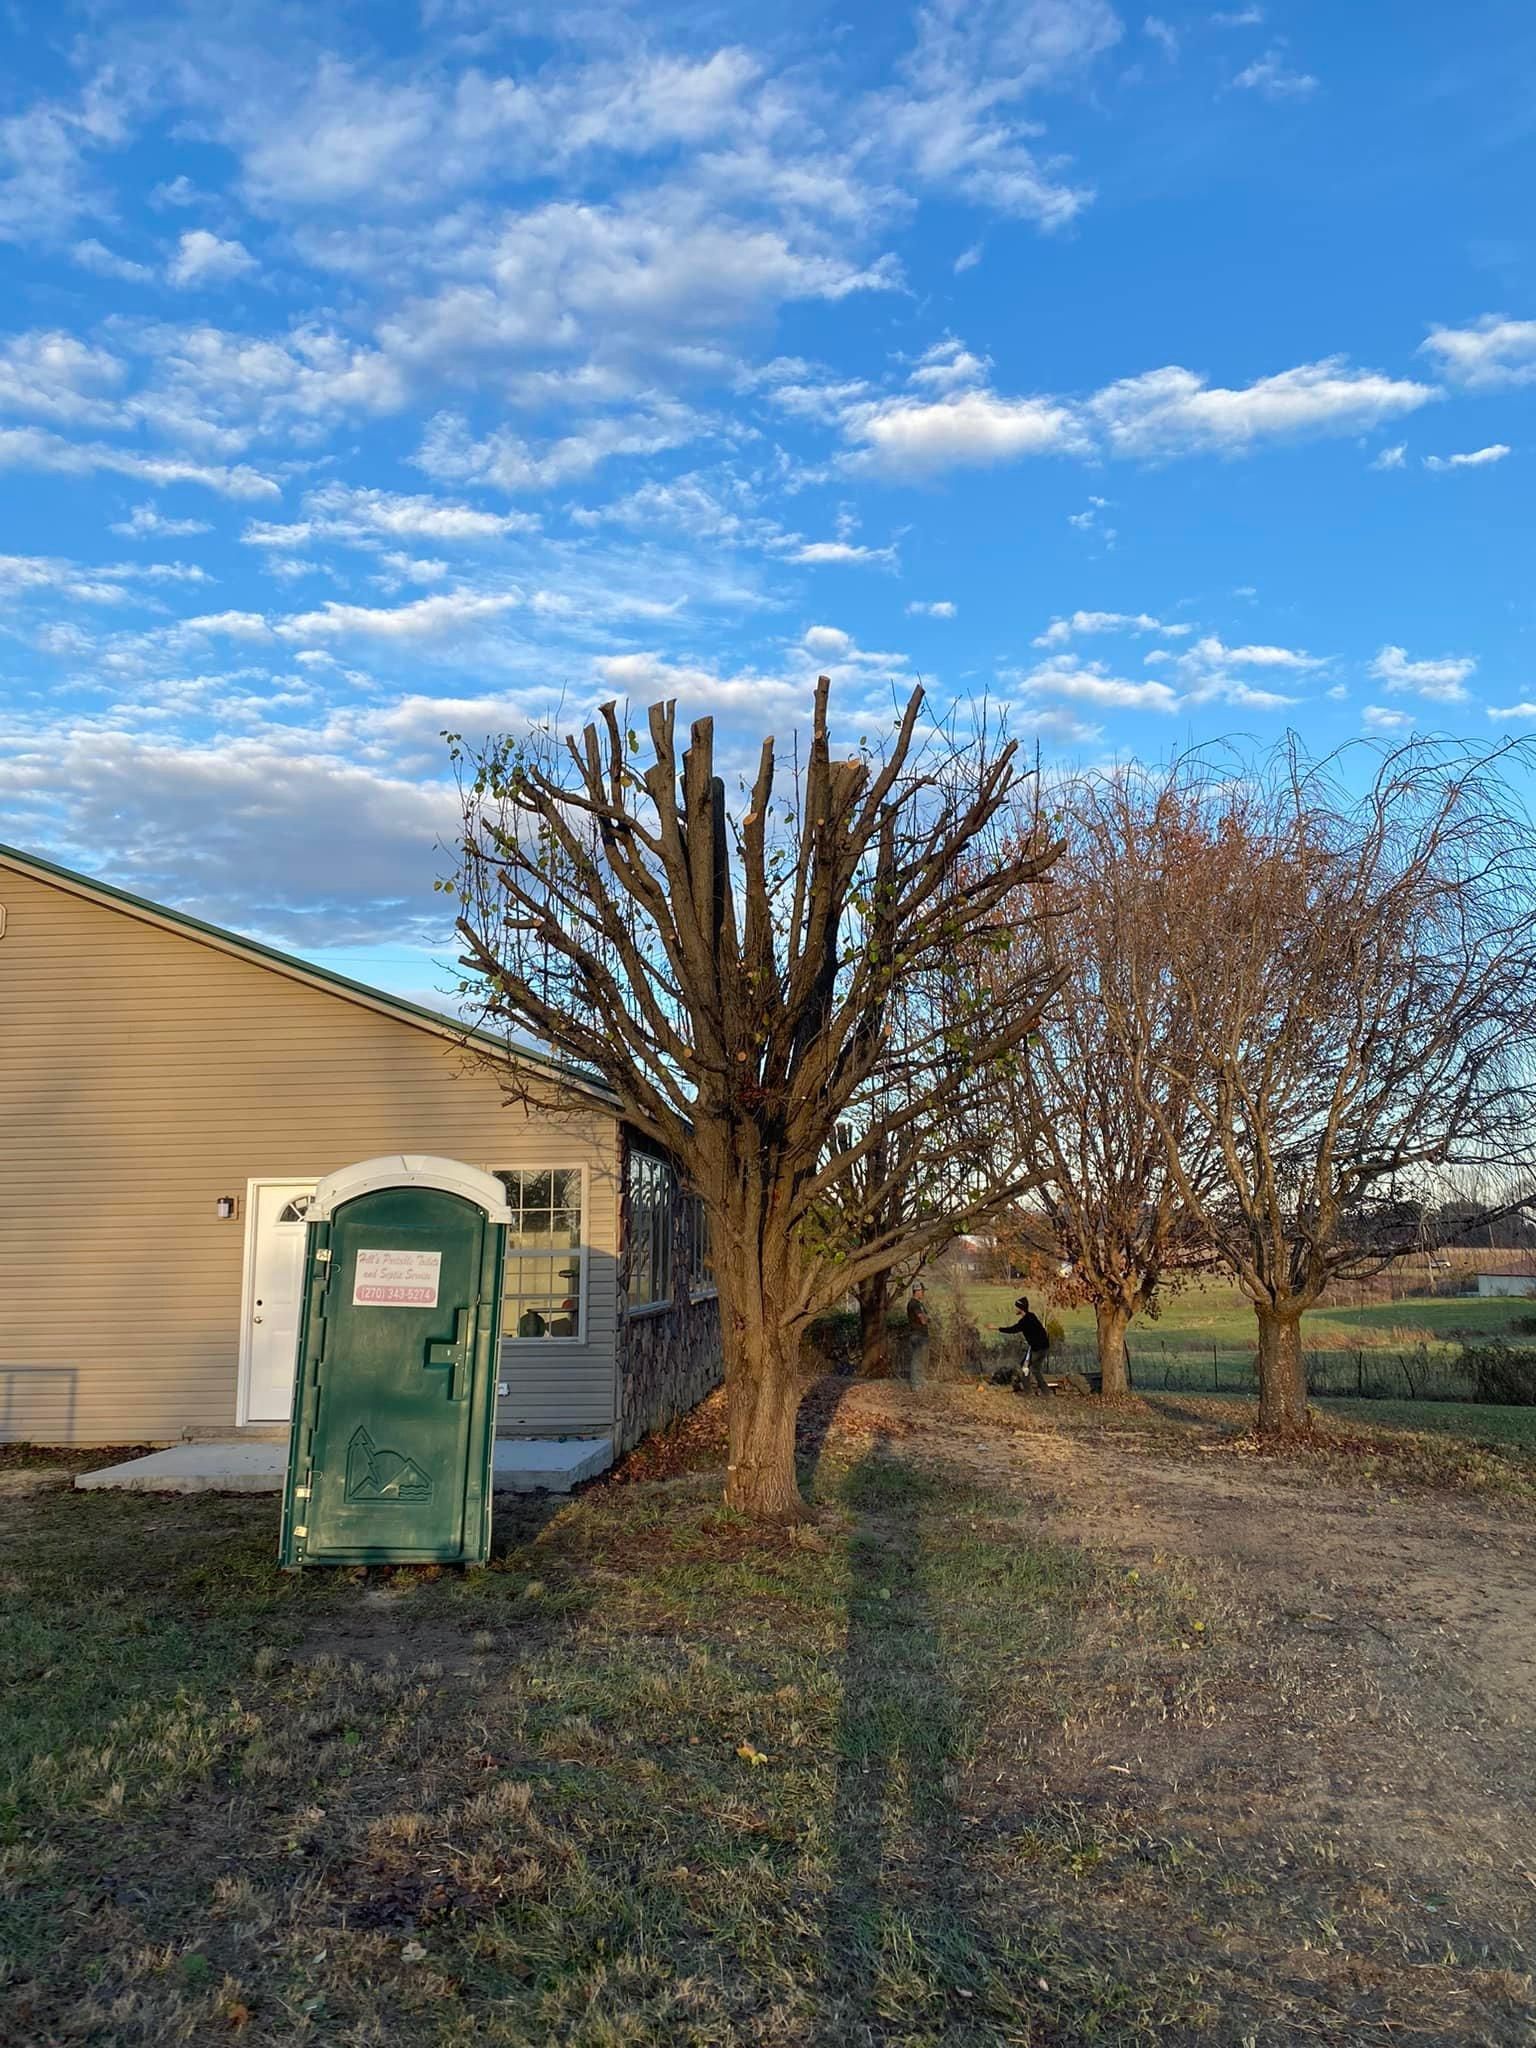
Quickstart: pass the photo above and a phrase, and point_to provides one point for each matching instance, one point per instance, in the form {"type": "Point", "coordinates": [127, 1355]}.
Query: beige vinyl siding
{"type": "Point", "coordinates": [144, 1073]}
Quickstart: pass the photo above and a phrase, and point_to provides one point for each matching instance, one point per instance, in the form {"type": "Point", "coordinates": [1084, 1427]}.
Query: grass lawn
{"type": "Point", "coordinates": [650, 1778]}
{"type": "Point", "coordinates": [644, 1780]}
{"type": "Point", "coordinates": [1475, 1422]}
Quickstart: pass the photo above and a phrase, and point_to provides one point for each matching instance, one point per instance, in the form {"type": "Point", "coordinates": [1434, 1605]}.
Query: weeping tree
{"type": "Point", "coordinates": [761, 989]}
{"type": "Point", "coordinates": [1351, 948]}
{"type": "Point", "coordinates": [1106, 1080]}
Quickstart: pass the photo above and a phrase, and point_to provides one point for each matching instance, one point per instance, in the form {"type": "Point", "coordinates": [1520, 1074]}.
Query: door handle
{"type": "Point", "coordinates": [455, 1353]}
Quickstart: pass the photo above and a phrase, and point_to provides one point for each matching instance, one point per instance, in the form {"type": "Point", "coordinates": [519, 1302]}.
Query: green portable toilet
{"type": "Point", "coordinates": [394, 1413]}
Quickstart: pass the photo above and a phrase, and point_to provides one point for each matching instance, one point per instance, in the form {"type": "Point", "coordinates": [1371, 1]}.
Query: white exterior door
{"type": "Point", "coordinates": [274, 1284]}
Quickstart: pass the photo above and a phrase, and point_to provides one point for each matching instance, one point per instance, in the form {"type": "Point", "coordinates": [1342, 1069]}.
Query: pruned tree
{"type": "Point", "coordinates": [1105, 1079]}
{"type": "Point", "coordinates": [762, 993]}
{"type": "Point", "coordinates": [1355, 970]}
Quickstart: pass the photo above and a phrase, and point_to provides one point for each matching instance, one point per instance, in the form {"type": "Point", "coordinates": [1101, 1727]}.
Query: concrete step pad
{"type": "Point", "coordinates": [519, 1465]}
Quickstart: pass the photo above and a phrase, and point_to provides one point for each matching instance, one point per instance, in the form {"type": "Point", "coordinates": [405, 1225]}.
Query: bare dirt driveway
{"type": "Point", "coordinates": [1338, 1736]}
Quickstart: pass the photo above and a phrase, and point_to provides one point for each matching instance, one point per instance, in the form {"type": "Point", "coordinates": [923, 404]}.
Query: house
{"type": "Point", "coordinates": [170, 1093]}
{"type": "Point", "coordinates": [1506, 1283]}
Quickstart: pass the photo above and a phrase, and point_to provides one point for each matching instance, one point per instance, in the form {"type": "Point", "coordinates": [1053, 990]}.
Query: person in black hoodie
{"type": "Point", "coordinates": [1028, 1377]}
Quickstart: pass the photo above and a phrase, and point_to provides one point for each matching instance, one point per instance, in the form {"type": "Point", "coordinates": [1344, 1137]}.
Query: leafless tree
{"type": "Point", "coordinates": [871, 1205]}
{"type": "Point", "coordinates": [1105, 1078]}
{"type": "Point", "coordinates": [762, 993]}
{"type": "Point", "coordinates": [1355, 973]}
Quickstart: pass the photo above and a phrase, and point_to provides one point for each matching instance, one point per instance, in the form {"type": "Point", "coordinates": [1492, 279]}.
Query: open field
{"type": "Point", "coordinates": [1204, 1337]}
{"type": "Point", "coordinates": [1051, 1730]}
{"type": "Point", "coordinates": [1477, 1421]}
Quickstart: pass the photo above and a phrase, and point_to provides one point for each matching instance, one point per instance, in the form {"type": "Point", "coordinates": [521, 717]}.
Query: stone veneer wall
{"type": "Point", "coordinates": [669, 1358]}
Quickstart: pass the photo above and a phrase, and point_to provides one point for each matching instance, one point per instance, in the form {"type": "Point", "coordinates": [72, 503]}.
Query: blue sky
{"type": "Point", "coordinates": [366, 371]}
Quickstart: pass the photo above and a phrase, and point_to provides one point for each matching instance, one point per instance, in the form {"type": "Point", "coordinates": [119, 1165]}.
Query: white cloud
{"type": "Point", "coordinates": [654, 274]}
{"type": "Point", "coordinates": [948, 366]}
{"type": "Point", "coordinates": [427, 618]}
{"type": "Point", "coordinates": [403, 568]}
{"type": "Point", "coordinates": [956, 118]}
{"type": "Point", "coordinates": [1163, 33]}
{"type": "Point", "coordinates": [177, 191]}
{"type": "Point", "coordinates": [970, 429]}
{"type": "Point", "coordinates": [1210, 650]}
{"type": "Point", "coordinates": [96, 256]}
{"type": "Point", "coordinates": [649, 676]}
{"type": "Point", "coordinates": [371, 517]}
{"type": "Point", "coordinates": [1522, 711]}
{"type": "Point", "coordinates": [231, 625]}
{"type": "Point", "coordinates": [938, 608]}
{"type": "Point", "coordinates": [203, 258]}
{"type": "Point", "coordinates": [1376, 718]}
{"type": "Point", "coordinates": [1061, 630]}
{"type": "Point", "coordinates": [968, 259]}
{"type": "Point", "coordinates": [449, 454]}
{"type": "Point", "coordinates": [1225, 689]}
{"type": "Point", "coordinates": [145, 522]}
{"type": "Point", "coordinates": [46, 181]}
{"type": "Point", "coordinates": [1443, 679]}
{"type": "Point", "coordinates": [1173, 411]}
{"type": "Point", "coordinates": [1049, 722]}
{"type": "Point", "coordinates": [228, 832]}
{"type": "Point", "coordinates": [813, 552]}
{"type": "Point", "coordinates": [20, 574]}
{"type": "Point", "coordinates": [1160, 413]}
{"type": "Point", "coordinates": [31, 448]}
{"type": "Point", "coordinates": [226, 385]}
{"type": "Point", "coordinates": [1241, 17]}
{"type": "Point", "coordinates": [1205, 671]}
{"type": "Point", "coordinates": [346, 138]}
{"type": "Point", "coordinates": [1395, 457]}
{"type": "Point", "coordinates": [1478, 458]}
{"type": "Point", "coordinates": [1272, 76]}
{"type": "Point", "coordinates": [826, 643]}
{"type": "Point", "coordinates": [53, 376]}
{"type": "Point", "coordinates": [1493, 352]}
{"type": "Point", "coordinates": [110, 583]}
{"type": "Point", "coordinates": [1091, 683]}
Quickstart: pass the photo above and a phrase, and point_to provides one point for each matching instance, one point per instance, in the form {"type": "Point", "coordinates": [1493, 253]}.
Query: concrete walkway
{"type": "Point", "coordinates": [521, 1464]}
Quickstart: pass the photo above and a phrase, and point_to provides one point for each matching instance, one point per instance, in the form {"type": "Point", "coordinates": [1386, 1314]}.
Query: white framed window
{"type": "Point", "coordinates": [697, 1246]}
{"type": "Point", "coordinates": [649, 1188]}
{"type": "Point", "coordinates": [544, 1292]}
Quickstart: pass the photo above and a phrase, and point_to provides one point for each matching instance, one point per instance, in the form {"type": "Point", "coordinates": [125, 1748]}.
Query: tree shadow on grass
{"type": "Point", "coordinates": [813, 1424]}
{"type": "Point", "coordinates": [899, 1953]}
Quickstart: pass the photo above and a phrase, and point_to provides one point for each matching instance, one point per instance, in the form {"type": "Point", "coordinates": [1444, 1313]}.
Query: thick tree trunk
{"type": "Point", "coordinates": [760, 1478]}
{"type": "Point", "coordinates": [1282, 1372]}
{"type": "Point", "coordinates": [763, 1386]}
{"type": "Point", "coordinates": [875, 1359]}
{"type": "Point", "coordinates": [1112, 1319]}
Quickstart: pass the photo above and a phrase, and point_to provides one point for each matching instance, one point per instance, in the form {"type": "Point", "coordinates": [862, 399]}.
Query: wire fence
{"type": "Point", "coordinates": [1370, 1372]}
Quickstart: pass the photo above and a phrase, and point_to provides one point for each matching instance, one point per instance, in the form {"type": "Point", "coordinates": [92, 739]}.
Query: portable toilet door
{"type": "Point", "coordinates": [394, 1408]}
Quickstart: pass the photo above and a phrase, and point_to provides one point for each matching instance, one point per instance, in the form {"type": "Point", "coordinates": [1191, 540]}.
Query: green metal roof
{"type": "Point", "coordinates": [290, 963]}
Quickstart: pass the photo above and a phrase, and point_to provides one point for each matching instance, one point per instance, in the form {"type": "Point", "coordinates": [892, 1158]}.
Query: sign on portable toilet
{"type": "Point", "coordinates": [394, 1412]}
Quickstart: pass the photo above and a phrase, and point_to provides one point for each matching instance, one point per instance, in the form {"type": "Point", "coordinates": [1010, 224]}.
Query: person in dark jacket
{"type": "Point", "coordinates": [918, 1335]}
{"type": "Point", "coordinates": [1029, 1376]}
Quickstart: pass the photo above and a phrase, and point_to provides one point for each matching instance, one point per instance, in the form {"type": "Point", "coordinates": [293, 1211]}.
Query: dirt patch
{"type": "Point", "coordinates": [1349, 1685]}
{"type": "Point", "coordinates": [69, 1457]}
{"type": "Point", "coordinates": [23, 1479]}
{"type": "Point", "coordinates": [836, 1410]}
